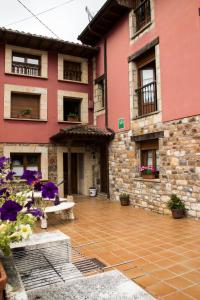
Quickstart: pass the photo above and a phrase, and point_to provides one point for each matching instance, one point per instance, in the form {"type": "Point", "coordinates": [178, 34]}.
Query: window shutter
{"type": "Point", "coordinates": [21, 102]}
{"type": "Point", "coordinates": [149, 145]}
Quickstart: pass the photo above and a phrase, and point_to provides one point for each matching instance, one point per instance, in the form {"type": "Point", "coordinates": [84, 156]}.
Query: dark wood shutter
{"type": "Point", "coordinates": [21, 102]}
{"type": "Point", "coordinates": [149, 145]}
{"type": "Point", "coordinates": [72, 71]}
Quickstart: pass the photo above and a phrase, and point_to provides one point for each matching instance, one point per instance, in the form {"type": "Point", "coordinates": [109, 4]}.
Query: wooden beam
{"type": "Point", "coordinates": [142, 51]}
{"type": "Point", "coordinates": [148, 136]}
{"type": "Point", "coordinates": [69, 157]}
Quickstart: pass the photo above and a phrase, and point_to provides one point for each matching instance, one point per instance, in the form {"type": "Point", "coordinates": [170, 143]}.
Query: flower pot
{"type": "Point", "coordinates": [72, 119]}
{"type": "Point", "coordinates": [125, 201]}
{"type": "Point", "coordinates": [92, 192]}
{"type": "Point", "coordinates": [178, 213]}
{"type": "Point", "coordinates": [148, 176]}
{"type": "Point", "coordinates": [3, 280]}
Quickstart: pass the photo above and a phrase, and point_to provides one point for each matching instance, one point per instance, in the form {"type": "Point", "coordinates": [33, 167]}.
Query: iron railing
{"type": "Point", "coordinates": [147, 98]}
{"type": "Point", "coordinates": [25, 69]}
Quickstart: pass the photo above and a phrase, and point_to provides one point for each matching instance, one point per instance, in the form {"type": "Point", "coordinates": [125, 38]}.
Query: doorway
{"type": "Point", "coordinates": [74, 169]}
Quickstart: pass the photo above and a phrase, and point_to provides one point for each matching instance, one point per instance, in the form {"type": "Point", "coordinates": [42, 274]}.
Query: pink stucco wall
{"type": "Point", "coordinates": [177, 24]}
{"type": "Point", "coordinates": [38, 132]}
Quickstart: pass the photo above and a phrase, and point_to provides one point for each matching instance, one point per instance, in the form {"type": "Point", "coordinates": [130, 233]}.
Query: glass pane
{"type": "Point", "coordinates": [157, 160]}
{"type": "Point", "coordinates": [147, 76]}
{"type": "Point", "coordinates": [18, 59]}
{"type": "Point", "coordinates": [32, 168]}
{"type": "Point", "coordinates": [32, 160]}
{"type": "Point", "coordinates": [33, 61]}
{"type": "Point", "coordinates": [148, 91]}
{"type": "Point", "coordinates": [150, 158]}
{"type": "Point", "coordinates": [18, 170]}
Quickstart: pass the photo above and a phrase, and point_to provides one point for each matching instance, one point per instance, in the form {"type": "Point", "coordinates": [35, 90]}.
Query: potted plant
{"type": "Point", "coordinates": [3, 280]}
{"type": "Point", "coordinates": [176, 206]}
{"type": "Point", "coordinates": [26, 113]}
{"type": "Point", "coordinates": [148, 172]}
{"type": "Point", "coordinates": [72, 117]}
{"type": "Point", "coordinates": [124, 199]}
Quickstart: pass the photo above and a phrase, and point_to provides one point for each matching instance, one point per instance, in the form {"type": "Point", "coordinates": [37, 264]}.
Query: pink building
{"type": "Point", "coordinates": [137, 76]}
{"type": "Point", "coordinates": [148, 63]}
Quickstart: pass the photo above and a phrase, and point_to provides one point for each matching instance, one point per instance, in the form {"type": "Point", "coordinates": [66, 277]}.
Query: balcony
{"type": "Point", "coordinates": [26, 69]}
{"type": "Point", "coordinates": [147, 98]}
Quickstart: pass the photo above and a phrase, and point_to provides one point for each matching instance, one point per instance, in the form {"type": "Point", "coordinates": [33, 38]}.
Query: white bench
{"type": "Point", "coordinates": [65, 209]}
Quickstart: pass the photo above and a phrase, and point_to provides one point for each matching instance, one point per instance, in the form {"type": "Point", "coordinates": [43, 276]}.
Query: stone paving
{"type": "Point", "coordinates": [164, 253]}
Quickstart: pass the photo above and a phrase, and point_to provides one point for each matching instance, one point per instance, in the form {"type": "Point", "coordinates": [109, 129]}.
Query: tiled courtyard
{"type": "Point", "coordinates": [164, 253]}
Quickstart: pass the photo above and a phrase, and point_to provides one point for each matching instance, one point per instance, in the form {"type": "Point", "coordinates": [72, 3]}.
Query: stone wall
{"type": "Point", "coordinates": [179, 166]}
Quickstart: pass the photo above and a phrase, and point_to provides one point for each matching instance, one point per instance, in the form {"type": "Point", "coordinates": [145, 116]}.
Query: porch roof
{"type": "Point", "coordinates": [83, 132]}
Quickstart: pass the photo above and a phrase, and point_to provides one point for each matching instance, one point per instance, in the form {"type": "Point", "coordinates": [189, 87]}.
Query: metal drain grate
{"type": "Point", "coordinates": [50, 265]}
{"type": "Point", "coordinates": [89, 265]}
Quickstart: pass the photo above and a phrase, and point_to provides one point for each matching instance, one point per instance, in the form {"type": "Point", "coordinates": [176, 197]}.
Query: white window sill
{"type": "Point", "coordinates": [147, 115]}
{"type": "Point", "coordinates": [23, 119]}
{"type": "Point", "coordinates": [70, 122]}
{"type": "Point", "coordinates": [72, 81]}
{"type": "Point", "coordinates": [141, 30]}
{"type": "Point", "coordinates": [102, 109]}
{"type": "Point", "coordinates": [155, 180]}
{"type": "Point", "coordinates": [26, 75]}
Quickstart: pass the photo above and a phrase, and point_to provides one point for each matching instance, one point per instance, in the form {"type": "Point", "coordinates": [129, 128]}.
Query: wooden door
{"type": "Point", "coordinates": [104, 169]}
{"type": "Point", "coordinates": [74, 177]}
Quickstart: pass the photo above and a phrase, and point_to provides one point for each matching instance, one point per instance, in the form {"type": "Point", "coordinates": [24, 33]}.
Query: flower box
{"type": "Point", "coordinates": [3, 280]}
{"type": "Point", "coordinates": [72, 118]}
{"type": "Point", "coordinates": [148, 176]}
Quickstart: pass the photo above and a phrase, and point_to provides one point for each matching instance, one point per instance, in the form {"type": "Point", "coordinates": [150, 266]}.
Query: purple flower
{"type": "Point", "coordinates": [9, 176]}
{"type": "Point", "coordinates": [49, 190]}
{"type": "Point", "coordinates": [3, 161]}
{"type": "Point", "coordinates": [36, 212]}
{"type": "Point", "coordinates": [9, 210]}
{"type": "Point", "coordinates": [38, 186]}
{"type": "Point", "coordinates": [4, 193]}
{"type": "Point", "coordinates": [30, 176]}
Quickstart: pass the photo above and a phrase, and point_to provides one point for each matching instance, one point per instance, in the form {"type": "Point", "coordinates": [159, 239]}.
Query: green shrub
{"type": "Point", "coordinates": [175, 203]}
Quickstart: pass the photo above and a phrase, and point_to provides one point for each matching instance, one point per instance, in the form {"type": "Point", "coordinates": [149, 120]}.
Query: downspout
{"type": "Point", "coordinates": [106, 113]}
{"type": "Point", "coordinates": [106, 83]}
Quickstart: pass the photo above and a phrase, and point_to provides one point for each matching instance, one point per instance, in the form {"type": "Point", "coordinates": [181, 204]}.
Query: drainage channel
{"type": "Point", "coordinates": [55, 264]}
{"type": "Point", "coordinates": [50, 265]}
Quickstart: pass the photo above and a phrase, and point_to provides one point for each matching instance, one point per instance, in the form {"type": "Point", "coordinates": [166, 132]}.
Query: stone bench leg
{"type": "Point", "coordinates": [67, 214]}
{"type": "Point", "coordinates": [44, 222]}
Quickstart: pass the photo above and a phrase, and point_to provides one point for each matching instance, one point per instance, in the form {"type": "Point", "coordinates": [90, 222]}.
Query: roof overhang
{"type": "Point", "coordinates": [83, 133]}
{"type": "Point", "coordinates": [110, 13]}
{"type": "Point", "coordinates": [28, 40]}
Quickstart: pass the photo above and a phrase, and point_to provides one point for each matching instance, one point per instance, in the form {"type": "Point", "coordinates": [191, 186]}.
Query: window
{"type": "Point", "coordinates": [150, 154]}
{"type": "Point", "coordinates": [25, 64]}
{"type": "Point", "coordinates": [72, 71]}
{"type": "Point", "coordinates": [142, 13]}
{"type": "Point", "coordinates": [100, 93]}
{"type": "Point", "coordinates": [71, 109]}
{"type": "Point", "coordinates": [146, 92]}
{"type": "Point", "coordinates": [25, 161]}
{"type": "Point", "coordinates": [25, 106]}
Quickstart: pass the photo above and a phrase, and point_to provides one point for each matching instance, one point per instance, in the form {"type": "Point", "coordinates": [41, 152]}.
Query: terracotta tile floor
{"type": "Point", "coordinates": [163, 253]}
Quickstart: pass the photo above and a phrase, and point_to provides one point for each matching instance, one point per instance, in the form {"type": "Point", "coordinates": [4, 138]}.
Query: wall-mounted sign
{"type": "Point", "coordinates": [121, 123]}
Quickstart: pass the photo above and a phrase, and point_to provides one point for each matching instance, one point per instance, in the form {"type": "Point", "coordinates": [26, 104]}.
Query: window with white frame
{"type": "Point", "coordinates": [25, 161]}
